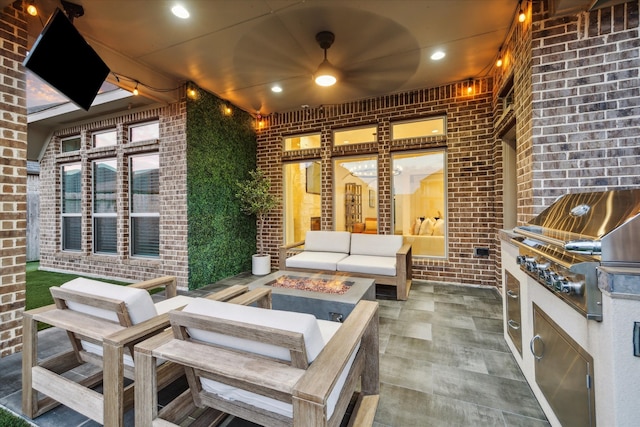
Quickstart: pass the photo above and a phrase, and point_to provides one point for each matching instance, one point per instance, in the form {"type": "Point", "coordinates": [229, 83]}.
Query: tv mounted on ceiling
{"type": "Point", "coordinates": [62, 58]}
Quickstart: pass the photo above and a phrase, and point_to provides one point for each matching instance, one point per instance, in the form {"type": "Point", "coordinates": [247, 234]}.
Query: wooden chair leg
{"type": "Point", "coordinates": [29, 360]}
{"type": "Point", "coordinates": [113, 385]}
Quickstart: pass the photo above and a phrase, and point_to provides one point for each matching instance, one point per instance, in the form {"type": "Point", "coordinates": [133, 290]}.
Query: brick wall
{"type": "Point", "coordinates": [171, 147]}
{"type": "Point", "coordinates": [586, 94]}
{"type": "Point", "coordinates": [471, 149]}
{"type": "Point", "coordinates": [13, 179]}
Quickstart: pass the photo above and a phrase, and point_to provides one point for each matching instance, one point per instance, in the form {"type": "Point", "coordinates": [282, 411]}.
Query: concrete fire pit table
{"type": "Point", "coordinates": [326, 306]}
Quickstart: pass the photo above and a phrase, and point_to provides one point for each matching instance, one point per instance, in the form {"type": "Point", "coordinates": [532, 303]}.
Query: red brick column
{"type": "Point", "coordinates": [13, 178]}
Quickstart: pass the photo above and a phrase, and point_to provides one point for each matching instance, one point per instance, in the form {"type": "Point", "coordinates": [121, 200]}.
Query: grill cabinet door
{"type": "Point", "coordinates": [513, 310]}
{"type": "Point", "coordinates": [563, 371]}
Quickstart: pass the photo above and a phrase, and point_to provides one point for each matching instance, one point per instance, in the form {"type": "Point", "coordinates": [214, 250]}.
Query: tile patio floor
{"type": "Point", "coordinates": [444, 362]}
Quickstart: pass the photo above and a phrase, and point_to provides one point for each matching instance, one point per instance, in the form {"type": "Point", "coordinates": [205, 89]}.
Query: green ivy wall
{"type": "Point", "coordinates": [221, 149]}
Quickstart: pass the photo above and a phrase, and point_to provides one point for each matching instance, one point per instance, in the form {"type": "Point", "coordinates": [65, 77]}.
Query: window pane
{"type": "Point", "coordinates": [104, 186]}
{"type": "Point", "coordinates": [145, 184]}
{"type": "Point", "coordinates": [105, 235]}
{"type": "Point", "coordinates": [302, 142]}
{"type": "Point", "coordinates": [146, 236]}
{"type": "Point", "coordinates": [301, 200]}
{"type": "Point", "coordinates": [72, 233]}
{"type": "Point", "coordinates": [419, 195]}
{"type": "Point", "coordinates": [145, 132]}
{"type": "Point", "coordinates": [355, 136]}
{"type": "Point", "coordinates": [71, 188]}
{"type": "Point", "coordinates": [356, 194]}
{"type": "Point", "coordinates": [71, 144]}
{"type": "Point", "coordinates": [104, 139]}
{"type": "Point", "coordinates": [434, 126]}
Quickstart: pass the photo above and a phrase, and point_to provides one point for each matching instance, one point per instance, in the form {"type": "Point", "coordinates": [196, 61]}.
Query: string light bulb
{"type": "Point", "coordinates": [135, 90]}
{"type": "Point", "coordinates": [191, 91]}
{"type": "Point", "coordinates": [470, 87]}
{"type": "Point", "coordinates": [521, 15]}
{"type": "Point", "coordinates": [32, 9]}
{"type": "Point", "coordinates": [227, 109]}
{"type": "Point", "coordinates": [499, 60]}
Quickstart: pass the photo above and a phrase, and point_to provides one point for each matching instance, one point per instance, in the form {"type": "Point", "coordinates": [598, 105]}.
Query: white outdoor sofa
{"type": "Point", "coordinates": [384, 258]}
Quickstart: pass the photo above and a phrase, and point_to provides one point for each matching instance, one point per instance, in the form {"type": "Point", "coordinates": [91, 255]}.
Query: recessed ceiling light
{"type": "Point", "coordinates": [437, 55]}
{"type": "Point", "coordinates": [180, 11]}
{"type": "Point", "coordinates": [276, 88]}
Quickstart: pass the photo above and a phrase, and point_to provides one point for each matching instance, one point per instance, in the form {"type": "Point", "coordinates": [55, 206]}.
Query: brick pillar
{"type": "Point", "coordinates": [13, 178]}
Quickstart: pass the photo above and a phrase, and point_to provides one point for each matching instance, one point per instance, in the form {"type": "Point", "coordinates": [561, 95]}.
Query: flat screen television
{"type": "Point", "coordinates": [62, 58]}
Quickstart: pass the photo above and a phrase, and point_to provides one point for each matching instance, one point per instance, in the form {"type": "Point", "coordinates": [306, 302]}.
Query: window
{"type": "Point", "coordinates": [144, 191]}
{"type": "Point", "coordinates": [432, 126]}
{"type": "Point", "coordinates": [71, 144]}
{"type": "Point", "coordinates": [355, 135]}
{"type": "Point", "coordinates": [302, 142]}
{"type": "Point", "coordinates": [301, 199]}
{"type": "Point", "coordinates": [144, 132]}
{"type": "Point", "coordinates": [356, 194]}
{"type": "Point", "coordinates": [105, 174]}
{"type": "Point", "coordinates": [105, 138]}
{"type": "Point", "coordinates": [419, 201]}
{"type": "Point", "coordinates": [71, 207]}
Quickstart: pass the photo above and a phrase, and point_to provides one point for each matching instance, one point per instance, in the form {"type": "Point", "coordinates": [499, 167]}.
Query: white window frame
{"type": "Point", "coordinates": [133, 215]}
{"type": "Point", "coordinates": [302, 136]}
{"type": "Point", "coordinates": [370, 131]}
{"type": "Point", "coordinates": [64, 214]}
{"type": "Point", "coordinates": [103, 132]}
{"type": "Point", "coordinates": [70, 138]}
{"type": "Point", "coordinates": [396, 127]}
{"type": "Point", "coordinates": [95, 215]}
{"type": "Point", "coordinates": [133, 127]}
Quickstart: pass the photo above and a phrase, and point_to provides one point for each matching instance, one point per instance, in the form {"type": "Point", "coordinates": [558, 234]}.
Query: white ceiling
{"type": "Point", "coordinates": [237, 49]}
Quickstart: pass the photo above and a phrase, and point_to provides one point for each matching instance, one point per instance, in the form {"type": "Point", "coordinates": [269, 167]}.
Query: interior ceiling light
{"type": "Point", "coordinates": [437, 55]}
{"type": "Point", "coordinates": [326, 74]}
{"type": "Point", "coordinates": [276, 88]}
{"type": "Point", "coordinates": [180, 11]}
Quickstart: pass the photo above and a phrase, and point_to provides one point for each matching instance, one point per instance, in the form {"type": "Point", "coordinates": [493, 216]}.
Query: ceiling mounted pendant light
{"type": "Point", "coordinates": [326, 74]}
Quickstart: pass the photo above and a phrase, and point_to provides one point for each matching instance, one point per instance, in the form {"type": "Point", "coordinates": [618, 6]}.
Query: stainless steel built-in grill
{"type": "Point", "coordinates": [562, 247]}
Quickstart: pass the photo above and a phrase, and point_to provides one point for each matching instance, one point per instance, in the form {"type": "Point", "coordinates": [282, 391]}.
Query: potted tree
{"type": "Point", "coordinates": [255, 199]}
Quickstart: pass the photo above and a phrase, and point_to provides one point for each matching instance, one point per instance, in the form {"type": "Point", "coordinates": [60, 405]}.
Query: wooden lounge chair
{"type": "Point", "coordinates": [104, 322]}
{"type": "Point", "coordinates": [270, 367]}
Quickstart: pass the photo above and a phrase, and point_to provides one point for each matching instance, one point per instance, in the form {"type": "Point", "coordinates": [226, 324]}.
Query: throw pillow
{"type": "Point", "coordinates": [426, 228]}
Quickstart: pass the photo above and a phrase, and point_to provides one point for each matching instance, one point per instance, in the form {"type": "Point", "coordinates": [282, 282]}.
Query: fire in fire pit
{"type": "Point", "coordinates": [325, 286]}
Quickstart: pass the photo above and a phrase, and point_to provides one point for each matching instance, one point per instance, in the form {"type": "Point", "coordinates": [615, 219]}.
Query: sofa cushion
{"type": "Point", "coordinates": [376, 245]}
{"type": "Point", "coordinates": [369, 264]}
{"type": "Point", "coordinates": [327, 241]}
{"type": "Point", "coordinates": [138, 301]}
{"type": "Point", "coordinates": [315, 260]}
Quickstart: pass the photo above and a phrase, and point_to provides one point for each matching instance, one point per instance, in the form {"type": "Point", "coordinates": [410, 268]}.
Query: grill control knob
{"type": "Point", "coordinates": [542, 269]}
{"type": "Point", "coordinates": [520, 259]}
{"type": "Point", "coordinates": [573, 288]}
{"type": "Point", "coordinates": [558, 282]}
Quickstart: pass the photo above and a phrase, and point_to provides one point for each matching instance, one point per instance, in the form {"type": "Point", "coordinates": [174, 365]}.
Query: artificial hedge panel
{"type": "Point", "coordinates": [221, 150]}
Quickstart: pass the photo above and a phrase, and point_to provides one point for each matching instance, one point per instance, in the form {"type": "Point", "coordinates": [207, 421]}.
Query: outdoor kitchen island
{"type": "Point", "coordinates": [328, 305]}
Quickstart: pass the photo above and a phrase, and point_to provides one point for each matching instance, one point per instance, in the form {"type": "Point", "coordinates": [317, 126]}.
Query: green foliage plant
{"type": "Point", "coordinates": [256, 199]}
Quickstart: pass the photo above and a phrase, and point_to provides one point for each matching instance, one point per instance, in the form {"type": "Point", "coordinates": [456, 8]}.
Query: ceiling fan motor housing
{"type": "Point", "coordinates": [325, 39]}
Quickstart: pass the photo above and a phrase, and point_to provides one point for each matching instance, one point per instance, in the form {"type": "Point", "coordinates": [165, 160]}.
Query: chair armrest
{"type": "Point", "coordinates": [169, 283]}
{"type": "Point", "coordinates": [283, 253]}
{"type": "Point", "coordinates": [404, 250]}
{"type": "Point", "coordinates": [143, 330]}
{"type": "Point", "coordinates": [322, 374]}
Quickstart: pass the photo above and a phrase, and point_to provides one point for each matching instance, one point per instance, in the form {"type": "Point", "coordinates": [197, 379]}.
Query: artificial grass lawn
{"type": "Point", "coordinates": [7, 419]}
{"type": "Point", "coordinates": [39, 282]}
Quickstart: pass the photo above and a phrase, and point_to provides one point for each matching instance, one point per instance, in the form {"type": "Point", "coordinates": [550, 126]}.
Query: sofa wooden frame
{"type": "Point", "coordinates": [402, 280]}
{"type": "Point", "coordinates": [306, 386]}
{"type": "Point", "coordinates": [45, 376]}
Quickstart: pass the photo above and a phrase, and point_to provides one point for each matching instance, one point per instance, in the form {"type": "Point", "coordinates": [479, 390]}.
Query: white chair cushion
{"type": "Point", "coordinates": [327, 241]}
{"type": "Point", "coordinates": [382, 265]}
{"type": "Point", "coordinates": [138, 301]}
{"type": "Point", "coordinates": [315, 260]}
{"type": "Point", "coordinates": [305, 324]}
{"type": "Point", "coordinates": [375, 244]}
{"type": "Point", "coordinates": [326, 330]}
{"type": "Point", "coordinates": [166, 305]}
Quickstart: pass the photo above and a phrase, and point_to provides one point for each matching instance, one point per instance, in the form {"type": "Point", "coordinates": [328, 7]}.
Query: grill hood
{"type": "Point", "coordinates": [601, 225]}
